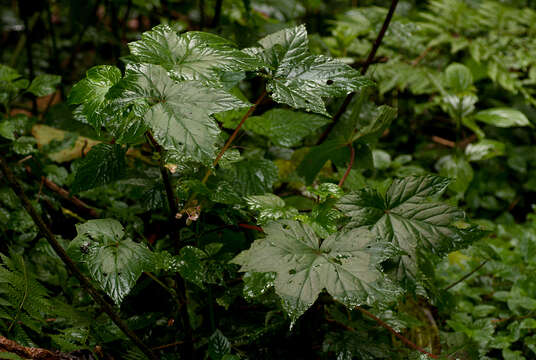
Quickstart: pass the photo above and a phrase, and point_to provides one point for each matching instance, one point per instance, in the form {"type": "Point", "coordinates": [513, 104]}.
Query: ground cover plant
{"type": "Point", "coordinates": [267, 179]}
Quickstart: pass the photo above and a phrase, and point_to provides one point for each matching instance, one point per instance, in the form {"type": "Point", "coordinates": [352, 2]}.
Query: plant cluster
{"type": "Point", "coordinates": [359, 192]}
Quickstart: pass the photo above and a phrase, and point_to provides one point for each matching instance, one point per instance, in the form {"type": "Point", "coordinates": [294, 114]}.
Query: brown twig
{"type": "Point", "coordinates": [443, 141]}
{"type": "Point", "coordinates": [84, 281]}
{"type": "Point", "coordinates": [396, 333]}
{"type": "Point", "coordinates": [364, 69]}
{"type": "Point", "coordinates": [65, 195]}
{"type": "Point", "coordinates": [418, 59]}
{"type": "Point", "coordinates": [350, 165]}
{"type": "Point", "coordinates": [466, 276]}
{"type": "Point", "coordinates": [233, 135]}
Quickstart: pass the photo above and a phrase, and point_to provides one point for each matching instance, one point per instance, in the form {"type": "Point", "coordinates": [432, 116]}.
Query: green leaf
{"type": "Point", "coordinates": [11, 82]}
{"type": "Point", "coordinates": [251, 177]}
{"type": "Point", "coordinates": [24, 145]}
{"type": "Point", "coordinates": [317, 156]}
{"type": "Point", "coordinates": [458, 169]}
{"type": "Point", "coordinates": [102, 165]}
{"type": "Point", "coordinates": [485, 149]}
{"type": "Point", "coordinates": [44, 84]}
{"type": "Point", "coordinates": [91, 92]}
{"type": "Point", "coordinates": [371, 126]}
{"type": "Point", "coordinates": [285, 127]}
{"type": "Point", "coordinates": [178, 113]}
{"type": "Point", "coordinates": [114, 261]}
{"type": "Point", "coordinates": [218, 345]}
{"type": "Point", "coordinates": [300, 79]}
{"type": "Point", "coordinates": [503, 117]}
{"type": "Point", "coordinates": [403, 217]}
{"type": "Point", "coordinates": [189, 264]}
{"type": "Point", "coordinates": [458, 78]}
{"type": "Point", "coordinates": [270, 207]}
{"type": "Point", "coordinates": [191, 56]}
{"type": "Point", "coordinates": [344, 264]}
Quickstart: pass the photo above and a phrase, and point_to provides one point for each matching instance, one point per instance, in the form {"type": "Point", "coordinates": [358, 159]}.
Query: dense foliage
{"type": "Point", "coordinates": [283, 179]}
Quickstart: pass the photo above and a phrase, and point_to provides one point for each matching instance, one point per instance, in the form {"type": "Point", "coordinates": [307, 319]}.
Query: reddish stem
{"type": "Point", "coordinates": [234, 134]}
{"type": "Point", "coordinates": [395, 333]}
{"type": "Point", "coordinates": [350, 165]}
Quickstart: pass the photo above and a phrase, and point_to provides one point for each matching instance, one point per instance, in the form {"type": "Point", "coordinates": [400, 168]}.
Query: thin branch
{"type": "Point", "coordinates": [188, 350]}
{"type": "Point", "coordinates": [233, 135]}
{"type": "Point", "coordinates": [466, 276]}
{"type": "Point", "coordinates": [29, 55]}
{"type": "Point", "coordinates": [395, 333]}
{"type": "Point", "coordinates": [350, 165]}
{"type": "Point", "coordinates": [217, 14]}
{"type": "Point", "coordinates": [172, 201]}
{"type": "Point", "coordinates": [65, 195]}
{"type": "Point", "coordinates": [364, 69]}
{"type": "Point", "coordinates": [444, 142]}
{"type": "Point", "coordinates": [84, 281]}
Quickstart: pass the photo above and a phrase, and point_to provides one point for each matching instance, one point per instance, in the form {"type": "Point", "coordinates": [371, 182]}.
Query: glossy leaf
{"type": "Point", "coordinates": [114, 261]}
{"type": "Point", "coordinates": [484, 149]}
{"type": "Point", "coordinates": [191, 56]}
{"type": "Point", "coordinates": [457, 168]}
{"type": "Point", "coordinates": [44, 84]}
{"type": "Point", "coordinates": [270, 207]}
{"type": "Point", "coordinates": [285, 127]}
{"type": "Point", "coordinates": [102, 165]}
{"type": "Point", "coordinates": [403, 217]}
{"type": "Point", "coordinates": [189, 264]}
{"type": "Point", "coordinates": [300, 79]}
{"type": "Point", "coordinates": [502, 117]}
{"type": "Point", "coordinates": [178, 113]}
{"type": "Point", "coordinates": [91, 92]}
{"type": "Point", "coordinates": [251, 177]}
{"type": "Point", "coordinates": [344, 264]}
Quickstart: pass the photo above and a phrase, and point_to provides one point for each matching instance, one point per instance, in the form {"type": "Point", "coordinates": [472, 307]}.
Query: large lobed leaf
{"type": "Point", "coordinates": [344, 264]}
{"type": "Point", "coordinates": [178, 113]}
{"type": "Point", "coordinates": [191, 56]}
{"type": "Point", "coordinates": [404, 217]}
{"type": "Point", "coordinates": [300, 79]}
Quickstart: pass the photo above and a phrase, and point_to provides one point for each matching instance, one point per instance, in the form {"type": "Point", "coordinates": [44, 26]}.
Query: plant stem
{"type": "Point", "coordinates": [188, 350]}
{"type": "Point", "coordinates": [364, 69]}
{"type": "Point", "coordinates": [466, 276]}
{"type": "Point", "coordinates": [350, 165]}
{"type": "Point", "coordinates": [84, 281]}
{"type": "Point", "coordinates": [233, 135]}
{"type": "Point", "coordinates": [29, 55]}
{"type": "Point", "coordinates": [217, 14]}
{"type": "Point", "coordinates": [395, 333]}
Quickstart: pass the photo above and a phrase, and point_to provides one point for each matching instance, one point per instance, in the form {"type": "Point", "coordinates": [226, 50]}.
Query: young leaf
{"type": "Point", "coordinates": [344, 264]}
{"type": "Point", "coordinates": [270, 207]}
{"type": "Point", "coordinates": [102, 165]}
{"type": "Point", "coordinates": [114, 262]}
{"type": "Point", "coordinates": [403, 217]}
{"type": "Point", "coordinates": [285, 127]}
{"type": "Point", "coordinates": [191, 56]}
{"type": "Point", "coordinates": [458, 78]}
{"type": "Point", "coordinates": [178, 113]}
{"type": "Point", "coordinates": [91, 94]}
{"type": "Point", "coordinates": [502, 117]}
{"type": "Point", "coordinates": [189, 264]}
{"type": "Point", "coordinates": [300, 79]}
{"type": "Point", "coordinates": [44, 84]}
{"type": "Point", "coordinates": [484, 149]}
{"type": "Point", "coordinates": [218, 345]}
{"type": "Point", "coordinates": [457, 168]}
